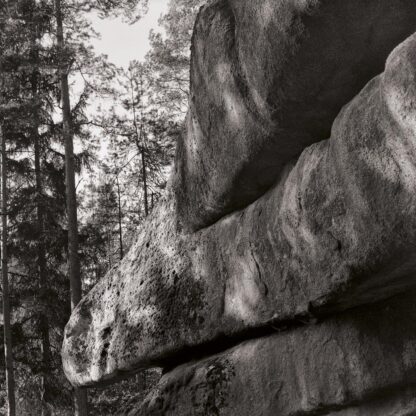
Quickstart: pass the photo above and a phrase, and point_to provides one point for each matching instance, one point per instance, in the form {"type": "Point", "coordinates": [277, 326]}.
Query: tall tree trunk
{"type": "Point", "coordinates": [81, 404]}
{"type": "Point", "coordinates": [44, 322]}
{"type": "Point", "coordinates": [7, 330]}
{"type": "Point", "coordinates": [144, 174]}
{"type": "Point", "coordinates": [109, 241]}
{"type": "Point", "coordinates": [41, 252]}
{"type": "Point", "coordinates": [5, 278]}
{"type": "Point", "coordinates": [120, 217]}
{"type": "Point", "coordinates": [139, 140]}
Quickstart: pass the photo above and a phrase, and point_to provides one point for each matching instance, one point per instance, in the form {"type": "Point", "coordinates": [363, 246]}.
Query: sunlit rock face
{"type": "Point", "coordinates": [361, 363]}
{"type": "Point", "coordinates": [267, 293]}
{"type": "Point", "coordinates": [338, 230]}
{"type": "Point", "coordinates": [268, 78]}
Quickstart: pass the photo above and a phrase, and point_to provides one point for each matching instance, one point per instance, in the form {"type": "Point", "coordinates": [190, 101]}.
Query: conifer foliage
{"type": "Point", "coordinates": [77, 180]}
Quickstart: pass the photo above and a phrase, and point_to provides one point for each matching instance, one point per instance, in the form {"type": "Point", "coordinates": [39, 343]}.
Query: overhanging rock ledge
{"type": "Point", "coordinates": [267, 227]}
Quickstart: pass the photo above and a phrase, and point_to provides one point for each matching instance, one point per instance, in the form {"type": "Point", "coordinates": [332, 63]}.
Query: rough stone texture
{"type": "Point", "coordinates": [359, 363]}
{"type": "Point", "coordinates": [337, 230]}
{"type": "Point", "coordinates": [268, 77]}
{"type": "Point", "coordinates": [284, 307]}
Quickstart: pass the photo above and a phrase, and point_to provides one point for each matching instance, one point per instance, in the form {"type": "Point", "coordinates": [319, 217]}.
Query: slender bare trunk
{"type": "Point", "coordinates": [41, 265]}
{"type": "Point", "coordinates": [74, 271]}
{"type": "Point", "coordinates": [7, 329]}
{"type": "Point", "coordinates": [120, 217]}
{"type": "Point", "coordinates": [41, 251]}
{"type": "Point", "coordinates": [5, 278]}
{"type": "Point", "coordinates": [109, 246]}
{"type": "Point", "coordinates": [144, 174]}
{"type": "Point", "coordinates": [139, 140]}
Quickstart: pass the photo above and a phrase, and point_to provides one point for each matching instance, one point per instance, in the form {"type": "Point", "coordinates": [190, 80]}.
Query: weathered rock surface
{"type": "Point", "coordinates": [268, 77]}
{"type": "Point", "coordinates": [338, 230]}
{"type": "Point", "coordinates": [361, 363]}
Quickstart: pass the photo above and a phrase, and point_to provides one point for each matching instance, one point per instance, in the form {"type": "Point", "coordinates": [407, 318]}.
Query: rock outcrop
{"type": "Point", "coordinates": [361, 363]}
{"type": "Point", "coordinates": [268, 78]}
{"type": "Point", "coordinates": [335, 230]}
{"type": "Point", "coordinates": [338, 230]}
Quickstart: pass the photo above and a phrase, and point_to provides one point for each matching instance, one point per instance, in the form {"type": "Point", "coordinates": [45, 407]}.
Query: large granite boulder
{"type": "Point", "coordinates": [268, 77]}
{"type": "Point", "coordinates": [338, 230]}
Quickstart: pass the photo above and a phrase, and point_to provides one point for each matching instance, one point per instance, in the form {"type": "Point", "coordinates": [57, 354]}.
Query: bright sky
{"type": "Point", "coordinates": [122, 42]}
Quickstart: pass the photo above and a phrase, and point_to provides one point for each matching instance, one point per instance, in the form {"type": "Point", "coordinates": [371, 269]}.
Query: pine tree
{"type": "Point", "coordinates": [140, 152]}
{"type": "Point", "coordinates": [169, 57]}
{"type": "Point", "coordinates": [5, 280]}
{"type": "Point", "coordinates": [8, 352]}
{"type": "Point", "coordinates": [30, 91]}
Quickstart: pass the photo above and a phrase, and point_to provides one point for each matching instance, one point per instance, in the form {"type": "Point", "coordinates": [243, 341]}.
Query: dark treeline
{"type": "Point", "coordinates": [86, 148]}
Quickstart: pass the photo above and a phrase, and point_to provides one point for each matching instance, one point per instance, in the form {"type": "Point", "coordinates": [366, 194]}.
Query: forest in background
{"type": "Point", "coordinates": [57, 93]}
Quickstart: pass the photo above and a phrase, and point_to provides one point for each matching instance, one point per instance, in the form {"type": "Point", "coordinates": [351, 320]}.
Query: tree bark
{"type": "Point", "coordinates": [5, 278]}
{"type": "Point", "coordinates": [74, 271]}
{"type": "Point", "coordinates": [144, 174]}
{"type": "Point", "coordinates": [41, 252]}
{"type": "Point", "coordinates": [7, 329]}
{"type": "Point", "coordinates": [43, 284]}
{"type": "Point", "coordinates": [120, 217]}
{"type": "Point", "coordinates": [139, 139]}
